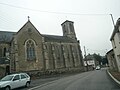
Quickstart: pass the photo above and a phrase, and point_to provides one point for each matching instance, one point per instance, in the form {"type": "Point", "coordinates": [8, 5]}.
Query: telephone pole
{"type": "Point", "coordinates": [85, 58]}
{"type": "Point", "coordinates": [112, 20]}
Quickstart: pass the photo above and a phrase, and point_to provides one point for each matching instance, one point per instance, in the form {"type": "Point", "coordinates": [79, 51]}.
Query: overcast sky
{"type": "Point", "coordinates": [92, 21]}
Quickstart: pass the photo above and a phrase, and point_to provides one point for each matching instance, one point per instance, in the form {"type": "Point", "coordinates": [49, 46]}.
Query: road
{"type": "Point", "coordinates": [93, 80]}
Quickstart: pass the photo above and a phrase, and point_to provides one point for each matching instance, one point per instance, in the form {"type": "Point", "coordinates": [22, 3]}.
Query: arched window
{"type": "Point", "coordinates": [30, 50]}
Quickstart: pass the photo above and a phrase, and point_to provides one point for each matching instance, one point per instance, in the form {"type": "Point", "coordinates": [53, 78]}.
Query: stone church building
{"type": "Point", "coordinates": [29, 50]}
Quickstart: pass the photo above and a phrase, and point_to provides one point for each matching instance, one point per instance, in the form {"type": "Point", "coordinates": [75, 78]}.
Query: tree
{"type": "Point", "coordinates": [104, 61]}
{"type": "Point", "coordinates": [98, 58]}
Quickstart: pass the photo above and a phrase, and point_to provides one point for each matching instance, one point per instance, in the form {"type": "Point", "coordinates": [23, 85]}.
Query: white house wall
{"type": "Point", "coordinates": [116, 48]}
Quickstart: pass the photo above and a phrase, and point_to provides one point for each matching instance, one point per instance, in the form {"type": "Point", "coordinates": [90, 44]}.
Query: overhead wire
{"type": "Point", "coordinates": [50, 11]}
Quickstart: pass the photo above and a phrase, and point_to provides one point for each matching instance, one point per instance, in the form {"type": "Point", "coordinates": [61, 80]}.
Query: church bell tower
{"type": "Point", "coordinates": [68, 29]}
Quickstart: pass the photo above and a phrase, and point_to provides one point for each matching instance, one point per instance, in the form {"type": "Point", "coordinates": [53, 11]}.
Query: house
{"type": "Point", "coordinates": [89, 62]}
{"type": "Point", "coordinates": [111, 60]}
{"type": "Point", "coordinates": [115, 40]}
{"type": "Point", "coordinates": [29, 50]}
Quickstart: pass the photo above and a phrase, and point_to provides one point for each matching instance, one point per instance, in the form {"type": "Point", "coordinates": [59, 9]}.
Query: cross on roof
{"type": "Point", "coordinates": [28, 18]}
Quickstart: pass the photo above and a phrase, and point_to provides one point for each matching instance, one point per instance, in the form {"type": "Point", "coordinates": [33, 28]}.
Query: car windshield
{"type": "Point", "coordinates": [7, 78]}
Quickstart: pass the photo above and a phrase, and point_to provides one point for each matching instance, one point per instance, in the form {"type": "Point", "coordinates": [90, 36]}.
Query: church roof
{"type": "Point", "coordinates": [6, 36]}
{"type": "Point", "coordinates": [54, 38]}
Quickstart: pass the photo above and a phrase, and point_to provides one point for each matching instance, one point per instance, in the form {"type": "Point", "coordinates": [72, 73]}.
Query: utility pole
{"type": "Point", "coordinates": [84, 51]}
{"type": "Point", "coordinates": [112, 20]}
{"type": "Point", "coordinates": [85, 58]}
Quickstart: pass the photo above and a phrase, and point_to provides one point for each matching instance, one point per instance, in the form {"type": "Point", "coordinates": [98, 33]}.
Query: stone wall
{"type": "Point", "coordinates": [2, 71]}
{"type": "Point", "coordinates": [55, 72]}
{"type": "Point", "coordinates": [61, 55]}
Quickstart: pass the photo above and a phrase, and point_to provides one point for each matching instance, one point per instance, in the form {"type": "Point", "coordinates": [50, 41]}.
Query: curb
{"type": "Point", "coordinates": [118, 82]}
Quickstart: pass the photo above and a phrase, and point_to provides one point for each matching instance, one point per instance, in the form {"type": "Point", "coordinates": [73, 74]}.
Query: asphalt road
{"type": "Point", "coordinates": [93, 80]}
{"type": "Point", "coordinates": [41, 81]}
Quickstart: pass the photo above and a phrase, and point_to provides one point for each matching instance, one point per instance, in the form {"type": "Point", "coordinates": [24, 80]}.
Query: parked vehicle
{"type": "Point", "coordinates": [98, 68]}
{"type": "Point", "coordinates": [14, 81]}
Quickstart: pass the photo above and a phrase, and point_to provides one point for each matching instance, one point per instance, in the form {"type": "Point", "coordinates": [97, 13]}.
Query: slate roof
{"type": "Point", "coordinates": [90, 57]}
{"type": "Point", "coordinates": [109, 51]}
{"type": "Point", "coordinates": [54, 38]}
{"type": "Point", "coordinates": [6, 36]}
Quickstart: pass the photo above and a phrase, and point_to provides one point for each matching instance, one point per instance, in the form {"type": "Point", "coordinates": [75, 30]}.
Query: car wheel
{"type": "Point", "coordinates": [7, 88]}
{"type": "Point", "coordinates": [27, 84]}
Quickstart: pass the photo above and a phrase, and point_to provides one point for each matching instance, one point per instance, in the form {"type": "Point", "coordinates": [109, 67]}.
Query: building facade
{"type": "Point", "coordinates": [90, 61]}
{"type": "Point", "coordinates": [115, 40]}
{"type": "Point", "coordinates": [111, 60]}
{"type": "Point", "coordinates": [29, 50]}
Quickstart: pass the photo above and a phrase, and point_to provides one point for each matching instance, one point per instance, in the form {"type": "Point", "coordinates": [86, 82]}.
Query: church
{"type": "Point", "coordinates": [29, 50]}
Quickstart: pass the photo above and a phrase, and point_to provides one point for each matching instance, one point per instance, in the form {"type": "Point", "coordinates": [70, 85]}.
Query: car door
{"type": "Point", "coordinates": [16, 82]}
{"type": "Point", "coordinates": [23, 79]}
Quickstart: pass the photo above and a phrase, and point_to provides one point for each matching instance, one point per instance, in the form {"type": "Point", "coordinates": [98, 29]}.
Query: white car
{"type": "Point", "coordinates": [97, 67]}
{"type": "Point", "coordinates": [14, 81]}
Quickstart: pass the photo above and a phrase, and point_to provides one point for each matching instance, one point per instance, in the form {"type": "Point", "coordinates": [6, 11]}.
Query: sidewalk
{"type": "Point", "coordinates": [115, 76]}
